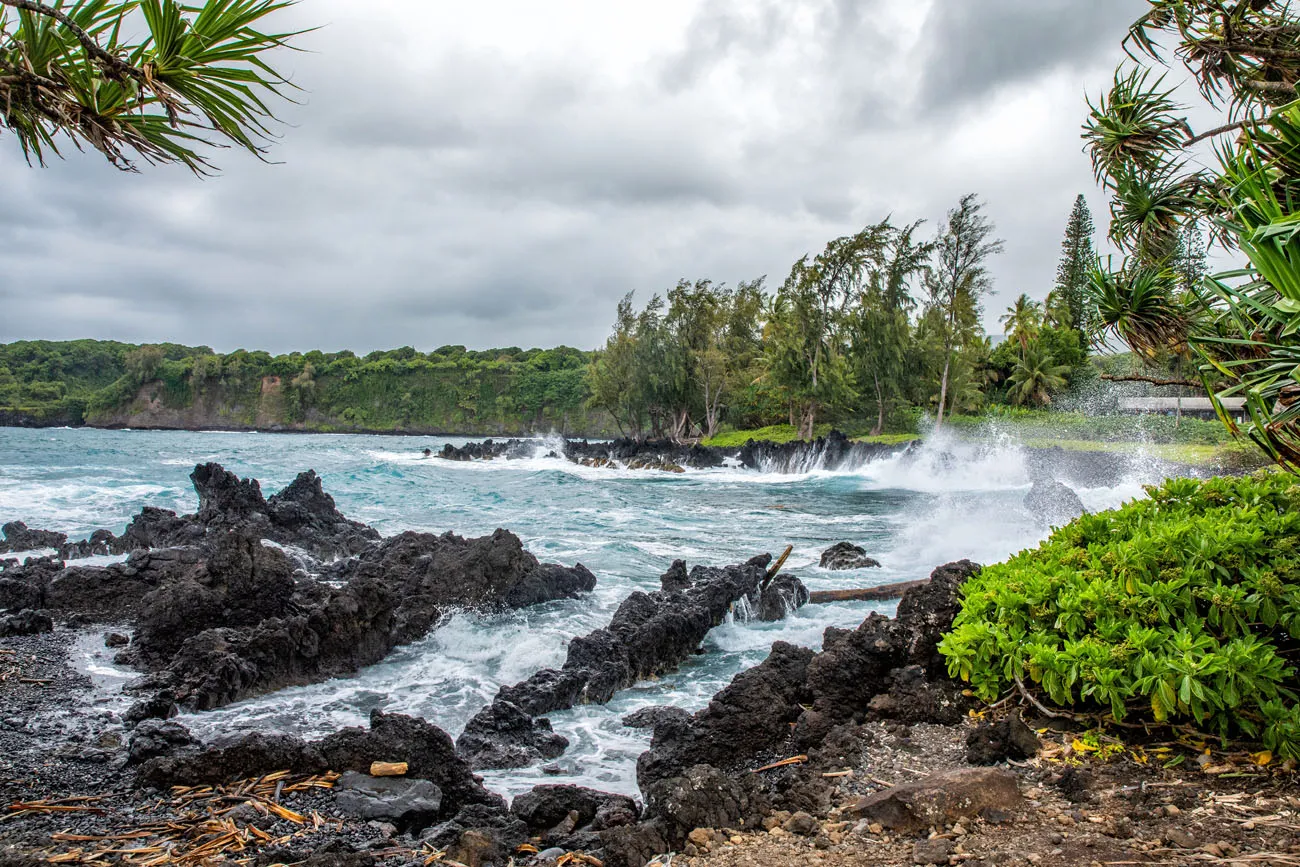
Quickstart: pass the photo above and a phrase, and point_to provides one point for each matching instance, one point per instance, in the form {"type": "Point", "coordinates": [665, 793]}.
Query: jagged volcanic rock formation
{"type": "Point", "coordinates": [697, 772]}
{"type": "Point", "coordinates": [302, 515]}
{"type": "Point", "coordinates": [650, 634]}
{"type": "Point", "coordinates": [633, 454]}
{"type": "Point", "coordinates": [830, 452]}
{"type": "Point", "coordinates": [844, 556]}
{"type": "Point", "coordinates": [221, 614]}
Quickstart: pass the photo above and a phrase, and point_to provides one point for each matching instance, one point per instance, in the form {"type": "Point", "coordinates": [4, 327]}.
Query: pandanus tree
{"type": "Point", "coordinates": [1244, 58]}
{"type": "Point", "coordinates": [196, 77]}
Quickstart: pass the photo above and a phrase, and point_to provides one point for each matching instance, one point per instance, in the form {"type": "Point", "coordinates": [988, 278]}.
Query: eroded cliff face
{"type": "Point", "coordinates": [273, 407]}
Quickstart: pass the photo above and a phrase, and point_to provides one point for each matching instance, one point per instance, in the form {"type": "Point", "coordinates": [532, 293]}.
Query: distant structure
{"type": "Point", "coordinates": [1196, 407]}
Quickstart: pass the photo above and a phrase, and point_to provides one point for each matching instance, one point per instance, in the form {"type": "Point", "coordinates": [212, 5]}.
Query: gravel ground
{"type": "Point", "coordinates": [62, 743]}
{"type": "Point", "coordinates": [1078, 811]}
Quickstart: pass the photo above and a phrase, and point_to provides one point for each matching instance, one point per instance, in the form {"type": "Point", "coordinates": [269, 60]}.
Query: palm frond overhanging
{"type": "Point", "coordinates": [197, 78]}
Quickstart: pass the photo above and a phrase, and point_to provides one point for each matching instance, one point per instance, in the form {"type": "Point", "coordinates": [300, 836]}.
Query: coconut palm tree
{"type": "Point", "coordinates": [1036, 376]}
{"type": "Point", "coordinates": [1023, 321]}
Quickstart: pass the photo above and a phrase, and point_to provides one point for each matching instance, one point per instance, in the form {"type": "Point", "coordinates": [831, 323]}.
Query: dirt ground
{"type": "Point", "coordinates": [1078, 809]}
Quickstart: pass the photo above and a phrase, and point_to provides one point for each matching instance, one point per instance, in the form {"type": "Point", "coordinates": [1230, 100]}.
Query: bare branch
{"type": "Point", "coordinates": [1231, 127]}
{"type": "Point", "coordinates": [1267, 88]}
{"type": "Point", "coordinates": [1151, 380]}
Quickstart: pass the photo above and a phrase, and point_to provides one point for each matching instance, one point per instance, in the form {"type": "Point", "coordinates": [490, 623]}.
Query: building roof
{"type": "Point", "coordinates": [1174, 404]}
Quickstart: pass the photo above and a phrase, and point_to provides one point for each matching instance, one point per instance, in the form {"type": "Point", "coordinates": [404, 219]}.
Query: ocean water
{"type": "Point", "coordinates": [946, 501]}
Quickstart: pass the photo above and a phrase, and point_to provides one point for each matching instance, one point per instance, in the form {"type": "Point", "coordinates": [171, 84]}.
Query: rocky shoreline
{"type": "Point", "coordinates": [830, 453]}
{"type": "Point", "coordinates": [863, 752]}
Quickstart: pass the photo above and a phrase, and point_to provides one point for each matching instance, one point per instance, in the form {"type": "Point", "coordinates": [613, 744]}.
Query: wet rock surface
{"type": "Point", "coordinates": [1053, 503]}
{"type": "Point", "coordinates": [698, 770]}
{"type": "Point", "coordinates": [830, 452]}
{"type": "Point", "coordinates": [650, 634]}
{"type": "Point", "coordinates": [844, 556]}
{"type": "Point", "coordinates": [231, 613]}
{"type": "Point", "coordinates": [813, 692]}
{"type": "Point", "coordinates": [662, 455]}
{"type": "Point", "coordinates": [19, 537]}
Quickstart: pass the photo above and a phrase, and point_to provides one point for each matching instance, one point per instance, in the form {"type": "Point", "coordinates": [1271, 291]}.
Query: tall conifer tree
{"type": "Point", "coordinates": [1077, 260]}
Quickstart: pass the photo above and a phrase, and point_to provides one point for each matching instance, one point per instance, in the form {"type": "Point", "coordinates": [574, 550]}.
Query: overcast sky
{"type": "Point", "coordinates": [499, 173]}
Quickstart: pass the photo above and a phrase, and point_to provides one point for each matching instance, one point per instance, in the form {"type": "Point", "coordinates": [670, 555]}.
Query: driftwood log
{"type": "Point", "coordinates": [883, 593]}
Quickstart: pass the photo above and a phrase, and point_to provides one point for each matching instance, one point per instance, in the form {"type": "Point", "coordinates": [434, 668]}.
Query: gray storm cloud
{"type": "Point", "coordinates": [441, 183]}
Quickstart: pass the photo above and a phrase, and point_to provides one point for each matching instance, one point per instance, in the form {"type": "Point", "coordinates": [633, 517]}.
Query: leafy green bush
{"type": "Point", "coordinates": [1174, 609]}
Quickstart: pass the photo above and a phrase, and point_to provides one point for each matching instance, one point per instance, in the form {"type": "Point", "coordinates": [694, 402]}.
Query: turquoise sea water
{"type": "Point", "coordinates": [946, 502]}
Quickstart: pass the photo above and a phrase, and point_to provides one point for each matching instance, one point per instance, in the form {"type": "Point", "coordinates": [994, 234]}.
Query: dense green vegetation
{"type": "Point", "coordinates": [1242, 328]}
{"type": "Point", "coordinates": [450, 390]}
{"type": "Point", "coordinates": [1180, 608]}
{"type": "Point", "coordinates": [875, 331]}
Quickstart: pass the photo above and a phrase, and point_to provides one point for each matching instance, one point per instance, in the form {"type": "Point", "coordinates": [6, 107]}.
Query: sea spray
{"type": "Point", "coordinates": [941, 501]}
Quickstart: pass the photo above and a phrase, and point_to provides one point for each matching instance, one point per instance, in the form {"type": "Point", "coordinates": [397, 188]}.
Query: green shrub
{"type": "Point", "coordinates": [1174, 609]}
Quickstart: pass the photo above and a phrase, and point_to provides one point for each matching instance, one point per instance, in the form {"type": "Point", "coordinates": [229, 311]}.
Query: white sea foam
{"type": "Point", "coordinates": [939, 502]}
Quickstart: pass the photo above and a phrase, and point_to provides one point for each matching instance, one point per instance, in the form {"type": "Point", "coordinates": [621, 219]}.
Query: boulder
{"type": "Point", "coordinates": [405, 801]}
{"type": "Point", "coordinates": [941, 799]}
{"type": "Point", "coordinates": [1053, 504]}
{"type": "Point", "coordinates": [504, 736]}
{"type": "Point", "coordinates": [994, 742]}
{"type": "Point", "coordinates": [18, 537]}
{"type": "Point", "coordinates": [844, 556]}
{"type": "Point", "coordinates": [653, 717]}
{"type": "Point", "coordinates": [154, 737]}
{"type": "Point", "coordinates": [26, 622]}
{"type": "Point", "coordinates": [705, 797]}
{"type": "Point", "coordinates": [784, 595]}
{"type": "Point", "coordinates": [478, 835]}
{"type": "Point", "coordinates": [545, 807]}
{"type": "Point", "coordinates": [161, 705]}
{"type": "Point", "coordinates": [676, 579]}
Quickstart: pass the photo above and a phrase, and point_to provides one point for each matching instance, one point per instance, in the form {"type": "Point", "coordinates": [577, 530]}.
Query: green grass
{"type": "Point", "coordinates": [889, 439]}
{"type": "Point", "coordinates": [1239, 455]}
{"type": "Point", "coordinates": [777, 433]}
{"type": "Point", "coordinates": [784, 433]}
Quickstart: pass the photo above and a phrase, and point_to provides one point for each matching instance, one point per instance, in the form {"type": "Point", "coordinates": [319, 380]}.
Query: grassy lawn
{"type": "Point", "coordinates": [1193, 454]}
{"type": "Point", "coordinates": [784, 433]}
{"type": "Point", "coordinates": [1191, 442]}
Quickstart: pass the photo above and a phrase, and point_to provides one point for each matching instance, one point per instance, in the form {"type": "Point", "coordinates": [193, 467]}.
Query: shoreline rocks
{"type": "Point", "coordinates": [698, 772]}
{"type": "Point", "coordinates": [649, 634]}
{"type": "Point", "coordinates": [224, 611]}
{"type": "Point", "coordinates": [844, 556]}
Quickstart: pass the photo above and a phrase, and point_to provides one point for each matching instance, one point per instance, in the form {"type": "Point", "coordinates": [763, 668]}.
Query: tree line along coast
{"type": "Point", "coordinates": [879, 330]}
